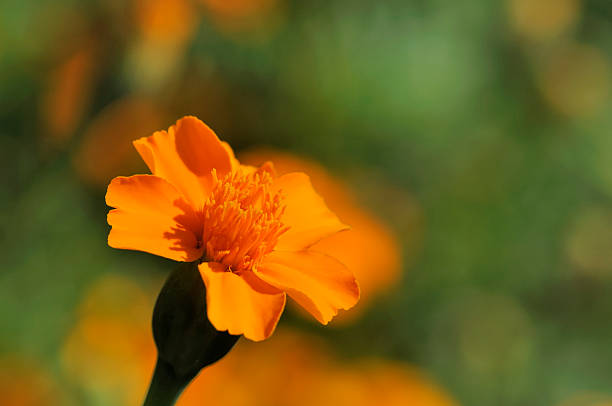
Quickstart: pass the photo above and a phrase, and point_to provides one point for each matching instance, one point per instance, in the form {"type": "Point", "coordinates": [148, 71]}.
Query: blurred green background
{"type": "Point", "coordinates": [479, 131]}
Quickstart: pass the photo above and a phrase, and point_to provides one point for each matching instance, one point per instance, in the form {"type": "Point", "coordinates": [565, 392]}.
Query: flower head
{"type": "Point", "coordinates": [250, 231]}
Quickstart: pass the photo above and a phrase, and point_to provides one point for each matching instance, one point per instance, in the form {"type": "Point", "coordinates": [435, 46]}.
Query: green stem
{"type": "Point", "coordinates": [165, 386]}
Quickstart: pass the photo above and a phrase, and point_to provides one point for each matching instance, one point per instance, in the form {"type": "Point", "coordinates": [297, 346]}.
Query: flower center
{"type": "Point", "coordinates": [242, 219]}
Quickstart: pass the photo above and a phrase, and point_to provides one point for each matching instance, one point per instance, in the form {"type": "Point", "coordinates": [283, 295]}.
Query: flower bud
{"type": "Point", "coordinates": [186, 341]}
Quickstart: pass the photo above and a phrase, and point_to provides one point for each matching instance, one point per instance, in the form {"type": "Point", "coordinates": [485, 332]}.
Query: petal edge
{"type": "Point", "coordinates": [185, 156]}
{"type": "Point", "coordinates": [150, 215]}
{"type": "Point", "coordinates": [307, 215]}
{"type": "Point", "coordinates": [319, 283]}
{"type": "Point", "coordinates": [241, 304]}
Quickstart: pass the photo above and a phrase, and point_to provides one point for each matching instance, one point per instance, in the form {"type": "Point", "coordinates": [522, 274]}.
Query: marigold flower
{"type": "Point", "coordinates": [249, 231]}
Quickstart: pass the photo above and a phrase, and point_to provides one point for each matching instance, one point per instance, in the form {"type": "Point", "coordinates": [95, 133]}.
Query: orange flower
{"type": "Point", "coordinates": [249, 231]}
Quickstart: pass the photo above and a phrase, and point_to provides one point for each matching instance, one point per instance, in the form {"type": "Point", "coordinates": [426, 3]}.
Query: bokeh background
{"type": "Point", "coordinates": [468, 143]}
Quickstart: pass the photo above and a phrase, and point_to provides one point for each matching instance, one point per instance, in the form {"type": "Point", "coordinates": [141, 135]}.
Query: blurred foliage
{"type": "Point", "coordinates": [488, 121]}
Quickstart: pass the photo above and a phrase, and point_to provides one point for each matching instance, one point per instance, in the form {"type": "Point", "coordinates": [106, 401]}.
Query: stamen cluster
{"type": "Point", "coordinates": [242, 220]}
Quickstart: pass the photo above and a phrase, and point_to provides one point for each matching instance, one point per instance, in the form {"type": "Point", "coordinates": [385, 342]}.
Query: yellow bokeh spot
{"type": "Point", "coordinates": [575, 80]}
{"type": "Point", "coordinates": [587, 399]}
{"type": "Point", "coordinates": [589, 242]}
{"type": "Point", "coordinates": [495, 334]}
{"type": "Point", "coordinates": [543, 19]}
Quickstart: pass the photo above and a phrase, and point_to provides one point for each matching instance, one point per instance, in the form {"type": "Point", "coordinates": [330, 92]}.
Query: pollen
{"type": "Point", "coordinates": [242, 219]}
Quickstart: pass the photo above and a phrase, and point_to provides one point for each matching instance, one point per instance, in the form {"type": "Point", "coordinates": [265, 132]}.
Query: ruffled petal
{"type": "Point", "coordinates": [306, 214]}
{"type": "Point", "coordinates": [241, 304]}
{"type": "Point", "coordinates": [185, 156]}
{"type": "Point", "coordinates": [151, 215]}
{"type": "Point", "coordinates": [319, 283]}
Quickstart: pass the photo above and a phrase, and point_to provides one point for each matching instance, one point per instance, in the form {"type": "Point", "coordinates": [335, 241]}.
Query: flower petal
{"type": "Point", "coordinates": [152, 216]}
{"type": "Point", "coordinates": [185, 155]}
{"type": "Point", "coordinates": [354, 248]}
{"type": "Point", "coordinates": [306, 214]}
{"type": "Point", "coordinates": [319, 283]}
{"type": "Point", "coordinates": [230, 152]}
{"type": "Point", "coordinates": [241, 304]}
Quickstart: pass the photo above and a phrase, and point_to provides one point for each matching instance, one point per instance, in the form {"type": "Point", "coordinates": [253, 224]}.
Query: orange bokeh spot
{"type": "Point", "coordinates": [68, 92]}
{"type": "Point", "coordinates": [24, 383]}
{"type": "Point", "coordinates": [250, 20]}
{"type": "Point", "coordinates": [297, 370]}
{"type": "Point", "coordinates": [166, 20]}
{"type": "Point", "coordinates": [106, 147]}
{"type": "Point", "coordinates": [155, 57]}
{"type": "Point", "coordinates": [110, 351]}
{"type": "Point", "coordinates": [110, 354]}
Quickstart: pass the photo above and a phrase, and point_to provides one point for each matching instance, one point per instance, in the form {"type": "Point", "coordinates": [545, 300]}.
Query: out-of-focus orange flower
{"type": "Point", "coordinates": [543, 19]}
{"type": "Point", "coordinates": [250, 231]}
{"type": "Point", "coordinates": [296, 370]}
{"type": "Point", "coordinates": [166, 20]}
{"type": "Point", "coordinates": [239, 8]}
{"type": "Point", "coordinates": [67, 93]}
{"type": "Point", "coordinates": [257, 17]}
{"type": "Point", "coordinates": [105, 149]}
{"type": "Point", "coordinates": [575, 80]}
{"type": "Point", "coordinates": [369, 248]}
{"type": "Point", "coordinates": [290, 369]}
{"type": "Point", "coordinates": [26, 384]}
{"type": "Point", "coordinates": [110, 352]}
{"type": "Point", "coordinates": [272, 373]}
{"type": "Point", "coordinates": [164, 30]}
